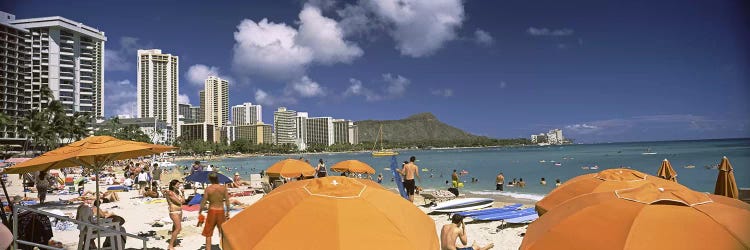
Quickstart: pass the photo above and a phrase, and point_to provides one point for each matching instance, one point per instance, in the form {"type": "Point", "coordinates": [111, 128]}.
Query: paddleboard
{"type": "Point", "coordinates": [465, 204]}
{"type": "Point", "coordinates": [397, 178]}
{"type": "Point", "coordinates": [491, 210]}
{"type": "Point", "coordinates": [505, 215]}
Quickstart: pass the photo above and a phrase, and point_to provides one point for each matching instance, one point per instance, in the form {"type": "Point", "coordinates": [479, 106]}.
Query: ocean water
{"type": "Point", "coordinates": [524, 162]}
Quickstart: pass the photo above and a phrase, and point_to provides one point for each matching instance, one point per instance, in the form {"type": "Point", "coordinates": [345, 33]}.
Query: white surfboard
{"type": "Point", "coordinates": [465, 204]}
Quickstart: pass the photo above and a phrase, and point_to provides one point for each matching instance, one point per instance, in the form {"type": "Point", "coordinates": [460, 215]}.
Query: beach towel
{"type": "Point", "coordinates": [196, 199]}
{"type": "Point", "coordinates": [192, 208]}
{"type": "Point", "coordinates": [118, 189]}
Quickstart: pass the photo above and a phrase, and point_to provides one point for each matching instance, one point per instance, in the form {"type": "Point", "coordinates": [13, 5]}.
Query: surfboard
{"type": "Point", "coordinates": [465, 204]}
{"type": "Point", "coordinates": [491, 210]}
{"type": "Point", "coordinates": [506, 215]}
{"type": "Point", "coordinates": [523, 219]}
{"type": "Point", "coordinates": [397, 178]}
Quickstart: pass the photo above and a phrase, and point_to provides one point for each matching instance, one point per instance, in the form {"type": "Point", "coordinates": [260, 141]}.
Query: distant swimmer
{"type": "Point", "coordinates": [557, 183]}
{"type": "Point", "coordinates": [543, 182]}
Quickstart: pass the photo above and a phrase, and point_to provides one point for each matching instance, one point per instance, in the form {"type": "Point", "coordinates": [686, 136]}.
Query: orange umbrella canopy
{"type": "Point", "coordinates": [331, 213]}
{"type": "Point", "coordinates": [726, 185]}
{"type": "Point", "coordinates": [90, 152]}
{"type": "Point", "coordinates": [353, 166]}
{"type": "Point", "coordinates": [290, 168]}
{"type": "Point", "coordinates": [646, 217]}
{"type": "Point", "coordinates": [604, 181]}
{"type": "Point", "coordinates": [666, 171]}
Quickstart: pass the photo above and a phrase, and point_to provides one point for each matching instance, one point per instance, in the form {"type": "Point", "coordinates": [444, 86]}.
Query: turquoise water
{"type": "Point", "coordinates": [524, 162]}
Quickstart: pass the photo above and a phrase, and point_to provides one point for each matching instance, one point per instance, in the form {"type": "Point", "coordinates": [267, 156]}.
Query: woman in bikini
{"type": "Point", "coordinates": [175, 201]}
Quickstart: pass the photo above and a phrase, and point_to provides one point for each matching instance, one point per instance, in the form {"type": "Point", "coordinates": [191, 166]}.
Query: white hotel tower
{"type": "Point", "coordinates": [68, 57]}
{"type": "Point", "coordinates": [158, 87]}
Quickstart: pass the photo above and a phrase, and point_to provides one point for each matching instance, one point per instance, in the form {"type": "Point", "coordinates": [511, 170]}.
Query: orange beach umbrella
{"type": "Point", "coordinates": [604, 181]}
{"type": "Point", "coordinates": [333, 212]}
{"type": "Point", "coordinates": [666, 171]}
{"type": "Point", "coordinates": [92, 152]}
{"type": "Point", "coordinates": [290, 168]}
{"type": "Point", "coordinates": [646, 217]}
{"type": "Point", "coordinates": [726, 185]}
{"type": "Point", "coordinates": [353, 166]}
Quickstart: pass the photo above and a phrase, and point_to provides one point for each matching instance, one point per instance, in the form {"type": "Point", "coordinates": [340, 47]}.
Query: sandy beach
{"type": "Point", "coordinates": [141, 215]}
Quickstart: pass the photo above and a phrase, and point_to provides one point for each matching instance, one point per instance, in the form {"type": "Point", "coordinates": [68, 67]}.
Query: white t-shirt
{"type": "Point", "coordinates": [143, 176]}
{"type": "Point", "coordinates": [128, 182]}
{"type": "Point", "coordinates": [209, 168]}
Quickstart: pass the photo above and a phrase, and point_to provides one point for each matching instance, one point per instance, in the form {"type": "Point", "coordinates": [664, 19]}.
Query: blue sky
{"type": "Point", "coordinates": [600, 70]}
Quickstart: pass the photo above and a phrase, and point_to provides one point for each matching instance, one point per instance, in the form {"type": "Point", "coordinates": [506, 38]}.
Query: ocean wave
{"type": "Point", "coordinates": [535, 197]}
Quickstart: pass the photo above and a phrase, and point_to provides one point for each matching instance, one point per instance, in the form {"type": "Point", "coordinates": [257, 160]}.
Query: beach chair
{"type": "Point", "coordinates": [744, 194]}
{"type": "Point", "coordinates": [436, 196]}
{"type": "Point", "coordinates": [114, 238]}
{"type": "Point", "coordinates": [265, 187]}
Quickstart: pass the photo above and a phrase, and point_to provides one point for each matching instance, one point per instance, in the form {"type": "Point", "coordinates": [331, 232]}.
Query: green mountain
{"type": "Point", "coordinates": [421, 127]}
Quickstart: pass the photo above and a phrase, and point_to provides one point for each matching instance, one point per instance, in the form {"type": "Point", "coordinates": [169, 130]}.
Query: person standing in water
{"type": "Point", "coordinates": [500, 180]}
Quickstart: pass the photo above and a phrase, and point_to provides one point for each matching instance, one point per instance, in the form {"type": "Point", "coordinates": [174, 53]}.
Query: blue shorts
{"type": "Point", "coordinates": [465, 248]}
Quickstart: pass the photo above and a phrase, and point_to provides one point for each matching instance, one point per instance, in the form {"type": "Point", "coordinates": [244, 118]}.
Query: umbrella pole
{"type": "Point", "coordinates": [10, 204]}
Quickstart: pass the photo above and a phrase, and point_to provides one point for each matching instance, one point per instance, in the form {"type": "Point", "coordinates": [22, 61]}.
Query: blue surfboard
{"type": "Point", "coordinates": [491, 210]}
{"type": "Point", "coordinates": [506, 215]}
{"type": "Point", "coordinates": [397, 178]}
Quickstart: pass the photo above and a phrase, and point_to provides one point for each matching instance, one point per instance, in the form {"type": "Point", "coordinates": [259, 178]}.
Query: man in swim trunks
{"type": "Point", "coordinates": [410, 171]}
{"type": "Point", "coordinates": [217, 197]}
{"type": "Point", "coordinates": [500, 180]}
{"type": "Point", "coordinates": [457, 230]}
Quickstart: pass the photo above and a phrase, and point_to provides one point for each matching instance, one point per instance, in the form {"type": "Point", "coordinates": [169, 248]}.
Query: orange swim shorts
{"type": "Point", "coordinates": [214, 218]}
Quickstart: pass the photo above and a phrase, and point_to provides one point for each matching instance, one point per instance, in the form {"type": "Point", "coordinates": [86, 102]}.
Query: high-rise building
{"type": "Point", "coordinates": [345, 132]}
{"type": "Point", "coordinates": [259, 133]}
{"type": "Point", "coordinates": [14, 80]}
{"type": "Point", "coordinates": [201, 108]}
{"type": "Point", "coordinates": [319, 131]}
{"type": "Point", "coordinates": [68, 58]}
{"type": "Point", "coordinates": [216, 103]}
{"type": "Point", "coordinates": [284, 124]}
{"type": "Point", "coordinates": [246, 114]}
{"type": "Point", "coordinates": [300, 128]}
{"type": "Point", "coordinates": [158, 87]}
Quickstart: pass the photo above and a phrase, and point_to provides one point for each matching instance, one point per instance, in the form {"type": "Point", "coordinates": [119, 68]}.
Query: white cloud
{"type": "Point", "coordinates": [357, 89]}
{"type": "Point", "coordinates": [442, 92]}
{"type": "Point", "coordinates": [483, 38]}
{"type": "Point", "coordinates": [306, 87]}
{"type": "Point", "coordinates": [183, 99]}
{"type": "Point", "coordinates": [269, 49]}
{"type": "Point", "coordinates": [395, 87]}
{"type": "Point", "coordinates": [264, 98]}
{"type": "Point", "coordinates": [123, 58]}
{"type": "Point", "coordinates": [324, 38]}
{"type": "Point", "coordinates": [120, 98]}
{"type": "Point", "coordinates": [198, 73]}
{"type": "Point", "coordinates": [549, 32]}
{"type": "Point", "coordinates": [419, 27]}
{"type": "Point", "coordinates": [280, 51]}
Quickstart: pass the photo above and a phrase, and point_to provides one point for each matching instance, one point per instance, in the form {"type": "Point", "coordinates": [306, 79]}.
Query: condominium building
{"type": "Point", "coordinates": [345, 132]}
{"type": "Point", "coordinates": [258, 133]}
{"type": "Point", "coordinates": [197, 132]}
{"type": "Point", "coordinates": [216, 104]}
{"type": "Point", "coordinates": [246, 114]}
{"type": "Point", "coordinates": [158, 87]}
{"type": "Point", "coordinates": [284, 123]}
{"type": "Point", "coordinates": [319, 131]}
{"type": "Point", "coordinates": [216, 101]}
{"type": "Point", "coordinates": [300, 128]}
{"type": "Point", "coordinates": [14, 78]}
{"type": "Point", "coordinates": [68, 58]}
{"type": "Point", "coordinates": [201, 111]}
